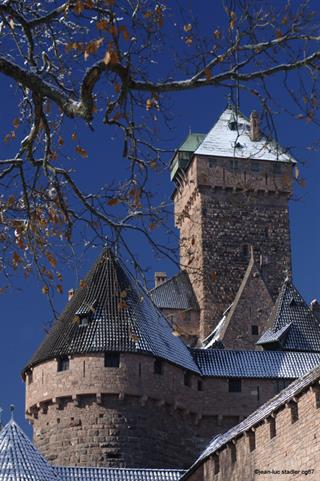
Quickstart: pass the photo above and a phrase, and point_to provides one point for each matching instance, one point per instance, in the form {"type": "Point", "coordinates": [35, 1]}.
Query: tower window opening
{"type": "Point", "coordinates": [235, 385]}
{"type": "Point", "coordinates": [158, 366]}
{"type": "Point", "coordinates": [111, 359]}
{"type": "Point", "coordinates": [187, 378]}
{"type": "Point", "coordinates": [276, 168]}
{"type": "Point", "coordinates": [255, 167]}
{"type": "Point", "coordinates": [211, 163]}
{"type": "Point", "coordinates": [200, 386]}
{"type": "Point", "coordinates": [63, 364]}
{"type": "Point", "coordinates": [234, 164]}
{"type": "Point", "coordinates": [254, 330]}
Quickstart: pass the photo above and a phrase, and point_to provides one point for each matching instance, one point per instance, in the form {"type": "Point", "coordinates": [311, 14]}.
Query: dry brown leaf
{"type": "Point", "coordinates": [114, 201]}
{"type": "Point", "coordinates": [102, 24]}
{"type": "Point", "coordinates": [107, 57]}
{"type": "Point", "coordinates": [81, 151]}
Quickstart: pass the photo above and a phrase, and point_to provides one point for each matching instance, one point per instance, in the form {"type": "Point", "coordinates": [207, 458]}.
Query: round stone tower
{"type": "Point", "coordinates": [109, 384]}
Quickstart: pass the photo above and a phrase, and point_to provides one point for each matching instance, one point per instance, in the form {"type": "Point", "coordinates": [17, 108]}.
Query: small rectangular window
{"type": "Point", "coordinates": [276, 168]}
{"type": "Point", "coordinates": [157, 366]}
{"type": "Point", "coordinates": [200, 387]}
{"type": "Point", "coordinates": [235, 385]}
{"type": "Point", "coordinates": [187, 378]}
{"type": "Point", "coordinates": [211, 164]}
{"type": "Point", "coordinates": [254, 330]}
{"type": "Point", "coordinates": [234, 165]}
{"type": "Point", "coordinates": [63, 364]}
{"type": "Point", "coordinates": [111, 359]}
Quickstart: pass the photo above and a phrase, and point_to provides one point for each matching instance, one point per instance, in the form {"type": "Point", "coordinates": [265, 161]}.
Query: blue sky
{"type": "Point", "coordinates": [24, 309]}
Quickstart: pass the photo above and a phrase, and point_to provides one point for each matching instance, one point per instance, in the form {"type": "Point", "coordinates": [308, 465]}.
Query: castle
{"type": "Point", "coordinates": [190, 375]}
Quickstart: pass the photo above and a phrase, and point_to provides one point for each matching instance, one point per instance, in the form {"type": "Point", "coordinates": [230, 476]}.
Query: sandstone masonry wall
{"type": "Point", "coordinates": [285, 446]}
{"type": "Point", "coordinates": [222, 209]}
{"type": "Point", "coordinates": [130, 416]}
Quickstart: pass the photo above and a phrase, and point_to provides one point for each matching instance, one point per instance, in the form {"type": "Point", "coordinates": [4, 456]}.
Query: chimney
{"type": "Point", "coordinates": [315, 307]}
{"type": "Point", "coordinates": [159, 278]}
{"type": "Point", "coordinates": [70, 294]}
{"type": "Point", "coordinates": [254, 126]}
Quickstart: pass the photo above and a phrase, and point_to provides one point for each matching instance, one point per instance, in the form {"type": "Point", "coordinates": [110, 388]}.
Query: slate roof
{"type": "Point", "coordinates": [20, 460]}
{"type": "Point", "coordinates": [175, 293]}
{"type": "Point", "coordinates": [122, 317]}
{"type": "Point", "coordinates": [221, 141]}
{"type": "Point", "coordinates": [118, 474]}
{"type": "Point", "coordinates": [258, 416]}
{"type": "Point", "coordinates": [254, 364]}
{"type": "Point", "coordinates": [294, 326]}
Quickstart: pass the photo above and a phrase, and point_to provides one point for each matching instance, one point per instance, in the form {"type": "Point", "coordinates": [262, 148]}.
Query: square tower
{"type": "Point", "coordinates": [232, 192]}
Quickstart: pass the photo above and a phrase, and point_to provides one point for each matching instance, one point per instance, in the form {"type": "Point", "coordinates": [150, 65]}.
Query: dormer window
{"type": "Point", "coordinates": [233, 124]}
{"type": "Point", "coordinates": [293, 302]}
{"type": "Point", "coordinates": [84, 320]}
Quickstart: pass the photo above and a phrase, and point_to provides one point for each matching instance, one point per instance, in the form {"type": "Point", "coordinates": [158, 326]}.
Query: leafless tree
{"type": "Point", "coordinates": [98, 61]}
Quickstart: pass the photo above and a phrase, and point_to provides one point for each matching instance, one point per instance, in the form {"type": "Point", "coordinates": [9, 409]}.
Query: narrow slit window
{"type": "Point", "coordinates": [273, 428]}
{"type": "Point", "coordinates": [294, 412]}
{"type": "Point", "coordinates": [254, 330]}
{"type": "Point", "coordinates": [187, 379]}
{"type": "Point", "coordinates": [158, 366]}
{"type": "Point", "coordinates": [216, 464]}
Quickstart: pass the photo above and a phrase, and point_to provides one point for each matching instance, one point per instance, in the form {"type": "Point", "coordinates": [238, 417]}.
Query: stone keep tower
{"type": "Point", "coordinates": [102, 388]}
{"type": "Point", "coordinates": [232, 192]}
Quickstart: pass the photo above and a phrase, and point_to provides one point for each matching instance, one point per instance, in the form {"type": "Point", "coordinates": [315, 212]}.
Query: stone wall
{"type": "Point", "coordinates": [221, 211]}
{"type": "Point", "coordinates": [130, 416]}
{"type": "Point", "coordinates": [285, 446]}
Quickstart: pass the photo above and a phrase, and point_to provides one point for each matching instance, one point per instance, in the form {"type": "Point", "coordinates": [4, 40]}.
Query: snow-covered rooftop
{"type": "Point", "coordinates": [230, 137]}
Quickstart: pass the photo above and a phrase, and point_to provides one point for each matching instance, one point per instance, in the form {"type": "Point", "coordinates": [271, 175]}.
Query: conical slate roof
{"type": "Point", "coordinates": [120, 316]}
{"type": "Point", "coordinates": [230, 137]}
{"type": "Point", "coordinates": [19, 459]}
{"type": "Point", "coordinates": [294, 326]}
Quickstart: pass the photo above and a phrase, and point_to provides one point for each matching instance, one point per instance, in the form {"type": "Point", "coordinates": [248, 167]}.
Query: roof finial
{"type": "Point", "coordinates": [12, 411]}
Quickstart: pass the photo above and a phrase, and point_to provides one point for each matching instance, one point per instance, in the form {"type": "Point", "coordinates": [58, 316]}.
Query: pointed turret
{"type": "Point", "coordinates": [294, 326]}
{"type": "Point", "coordinates": [19, 459]}
{"type": "Point", "coordinates": [111, 312]}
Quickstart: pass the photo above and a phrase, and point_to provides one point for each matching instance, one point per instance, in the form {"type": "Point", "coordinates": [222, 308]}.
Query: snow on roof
{"type": "Point", "coordinates": [230, 137]}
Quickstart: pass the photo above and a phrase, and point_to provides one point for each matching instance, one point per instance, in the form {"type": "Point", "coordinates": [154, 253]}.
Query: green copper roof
{"type": "Point", "coordinates": [183, 155]}
{"type": "Point", "coordinates": [192, 142]}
